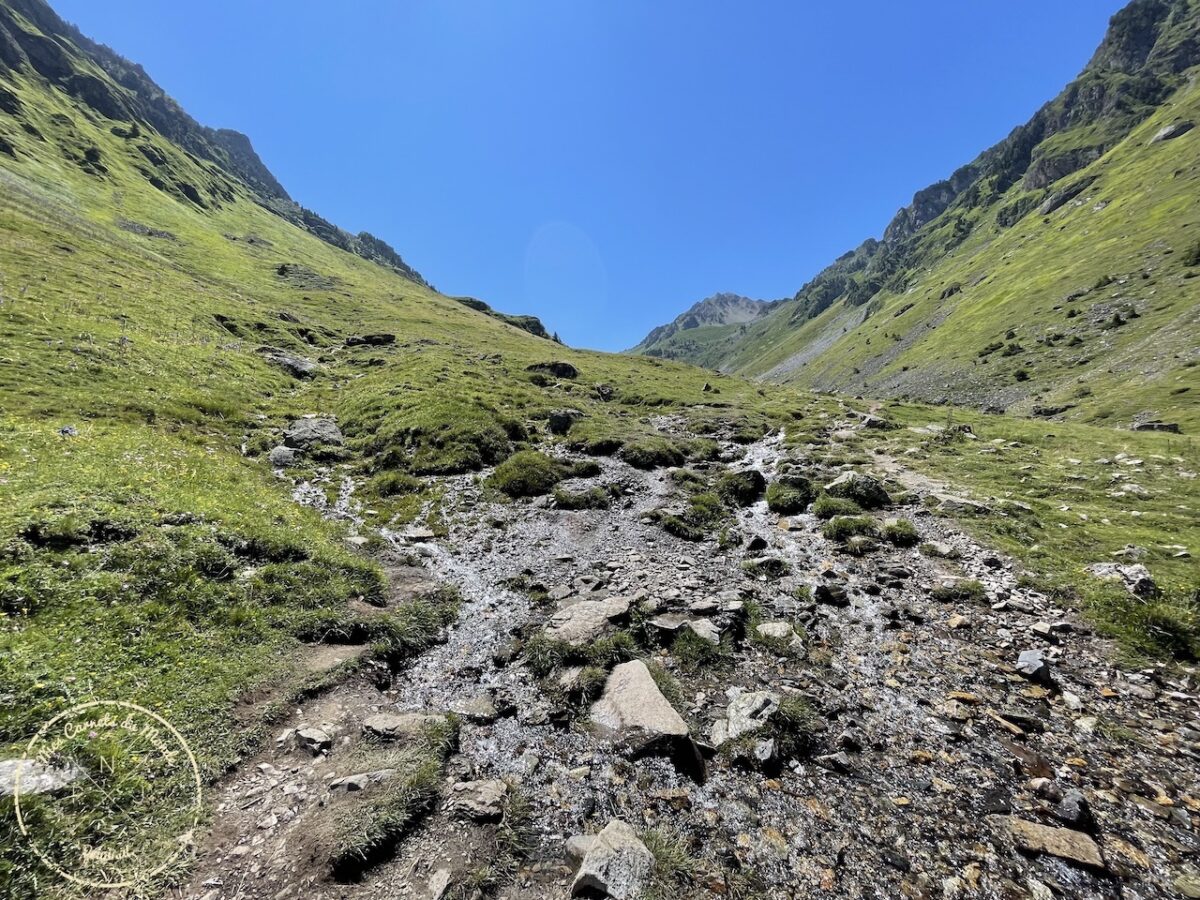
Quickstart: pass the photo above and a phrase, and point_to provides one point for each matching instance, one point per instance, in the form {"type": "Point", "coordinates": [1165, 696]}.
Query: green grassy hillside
{"type": "Point", "coordinates": [1055, 275]}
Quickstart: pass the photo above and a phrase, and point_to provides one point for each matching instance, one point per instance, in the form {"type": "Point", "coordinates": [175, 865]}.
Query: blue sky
{"type": "Point", "coordinates": [605, 163]}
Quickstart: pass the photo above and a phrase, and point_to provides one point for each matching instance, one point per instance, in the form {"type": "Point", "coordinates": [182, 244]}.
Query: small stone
{"type": "Point", "coordinates": [616, 864]}
{"type": "Point", "coordinates": [1073, 846]}
{"type": "Point", "coordinates": [481, 801]}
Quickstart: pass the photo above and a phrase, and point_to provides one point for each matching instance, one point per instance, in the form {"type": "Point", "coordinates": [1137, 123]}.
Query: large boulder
{"type": "Point", "coordinates": [866, 491]}
{"type": "Point", "coordinates": [296, 366]}
{"type": "Point", "coordinates": [617, 864]}
{"type": "Point", "coordinates": [1172, 131]}
{"type": "Point", "coordinates": [586, 620]}
{"type": "Point", "coordinates": [561, 420]}
{"type": "Point", "coordinates": [305, 433]}
{"type": "Point", "coordinates": [633, 711]}
{"type": "Point", "coordinates": [370, 340]}
{"type": "Point", "coordinates": [557, 368]}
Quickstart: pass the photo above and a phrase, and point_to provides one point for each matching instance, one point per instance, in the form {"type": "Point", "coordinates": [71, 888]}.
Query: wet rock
{"type": "Point", "coordinates": [1073, 846]}
{"type": "Point", "coordinates": [746, 713]}
{"type": "Point", "coordinates": [1187, 884]}
{"type": "Point", "coordinates": [305, 433]}
{"type": "Point", "coordinates": [480, 709]}
{"type": "Point", "coordinates": [836, 762]}
{"type": "Point", "coordinates": [35, 777]}
{"type": "Point", "coordinates": [404, 727]}
{"type": "Point", "coordinates": [633, 710]}
{"type": "Point", "coordinates": [831, 595]}
{"type": "Point", "coordinates": [282, 457]}
{"type": "Point", "coordinates": [560, 420]}
{"type": "Point", "coordinates": [1075, 812]}
{"type": "Point", "coordinates": [586, 620]}
{"type": "Point", "coordinates": [616, 864]}
{"type": "Point", "coordinates": [480, 801]}
{"type": "Point", "coordinates": [866, 491]}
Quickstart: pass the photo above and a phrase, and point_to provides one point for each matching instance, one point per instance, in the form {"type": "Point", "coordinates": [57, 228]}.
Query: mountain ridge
{"type": "Point", "coordinates": [1139, 70]}
{"type": "Point", "coordinates": [721, 308]}
{"type": "Point", "coordinates": [54, 51]}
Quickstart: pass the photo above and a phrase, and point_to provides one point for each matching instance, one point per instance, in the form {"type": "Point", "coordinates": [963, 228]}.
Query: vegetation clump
{"type": "Point", "coordinates": [741, 488]}
{"type": "Point", "coordinates": [842, 528]}
{"type": "Point", "coordinates": [960, 590]}
{"type": "Point", "coordinates": [531, 473]}
{"type": "Point", "coordinates": [652, 453]}
{"type": "Point", "coordinates": [901, 533]}
{"type": "Point", "coordinates": [826, 507]}
{"type": "Point", "coordinates": [790, 495]}
{"type": "Point", "coordinates": [704, 514]}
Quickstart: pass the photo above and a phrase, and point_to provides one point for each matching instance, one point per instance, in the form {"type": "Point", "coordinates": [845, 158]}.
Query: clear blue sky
{"type": "Point", "coordinates": [605, 163]}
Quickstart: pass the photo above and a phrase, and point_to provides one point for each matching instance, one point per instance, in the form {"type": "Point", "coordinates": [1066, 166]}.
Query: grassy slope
{"type": "Point", "coordinates": [152, 556]}
{"type": "Point", "coordinates": [1139, 238]}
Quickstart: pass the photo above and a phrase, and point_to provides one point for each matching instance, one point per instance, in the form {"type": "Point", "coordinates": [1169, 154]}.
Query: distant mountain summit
{"type": "Point", "coordinates": [717, 311]}
{"type": "Point", "coordinates": [1037, 277]}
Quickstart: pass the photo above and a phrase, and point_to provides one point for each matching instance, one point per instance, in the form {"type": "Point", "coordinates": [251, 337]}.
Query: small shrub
{"type": "Point", "coordinates": [527, 473]}
{"type": "Point", "coordinates": [963, 590]}
{"type": "Point", "coordinates": [841, 528]}
{"type": "Point", "coordinates": [769, 567]}
{"type": "Point", "coordinates": [826, 507]}
{"type": "Point", "coordinates": [901, 533]}
{"type": "Point", "coordinates": [797, 726]}
{"type": "Point", "coordinates": [790, 495]}
{"type": "Point", "coordinates": [741, 488]}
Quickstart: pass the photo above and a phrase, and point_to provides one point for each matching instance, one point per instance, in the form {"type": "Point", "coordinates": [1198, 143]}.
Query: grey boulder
{"type": "Point", "coordinates": [616, 864]}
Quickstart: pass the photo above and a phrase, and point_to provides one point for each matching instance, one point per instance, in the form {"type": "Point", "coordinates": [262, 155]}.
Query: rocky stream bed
{"type": "Point", "coordinates": [957, 744]}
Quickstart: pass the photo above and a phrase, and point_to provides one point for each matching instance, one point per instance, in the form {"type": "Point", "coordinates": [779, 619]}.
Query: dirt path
{"type": "Point", "coordinates": [933, 748]}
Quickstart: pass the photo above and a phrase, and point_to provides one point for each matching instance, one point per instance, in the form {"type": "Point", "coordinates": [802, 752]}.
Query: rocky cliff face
{"type": "Point", "coordinates": [34, 41]}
